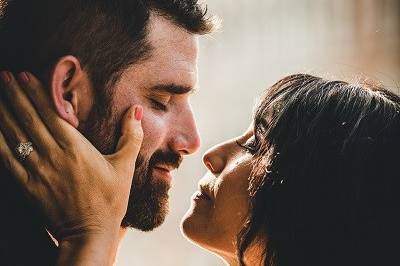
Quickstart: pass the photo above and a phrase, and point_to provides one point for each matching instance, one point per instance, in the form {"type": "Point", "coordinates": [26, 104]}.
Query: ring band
{"type": "Point", "coordinates": [24, 149]}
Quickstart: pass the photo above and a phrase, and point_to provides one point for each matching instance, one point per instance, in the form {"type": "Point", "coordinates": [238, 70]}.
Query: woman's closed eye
{"type": "Point", "coordinates": [249, 146]}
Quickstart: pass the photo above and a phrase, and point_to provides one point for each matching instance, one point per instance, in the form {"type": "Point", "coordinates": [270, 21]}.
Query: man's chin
{"type": "Point", "coordinates": [148, 205]}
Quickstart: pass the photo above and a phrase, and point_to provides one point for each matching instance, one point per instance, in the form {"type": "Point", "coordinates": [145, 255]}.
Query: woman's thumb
{"type": "Point", "coordinates": [129, 144]}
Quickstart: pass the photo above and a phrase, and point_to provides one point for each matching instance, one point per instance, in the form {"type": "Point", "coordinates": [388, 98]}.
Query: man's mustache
{"type": "Point", "coordinates": [144, 168]}
{"type": "Point", "coordinates": [167, 158]}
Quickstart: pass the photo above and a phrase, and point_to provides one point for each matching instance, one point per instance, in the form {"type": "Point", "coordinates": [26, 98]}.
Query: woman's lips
{"type": "Point", "coordinates": [206, 187]}
{"type": "Point", "coordinates": [202, 194]}
{"type": "Point", "coordinates": [198, 195]}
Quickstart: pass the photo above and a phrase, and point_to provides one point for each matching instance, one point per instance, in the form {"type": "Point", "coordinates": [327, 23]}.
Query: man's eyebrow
{"type": "Point", "coordinates": [173, 88]}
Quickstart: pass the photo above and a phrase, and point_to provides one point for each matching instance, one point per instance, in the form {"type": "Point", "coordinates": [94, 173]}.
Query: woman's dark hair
{"type": "Point", "coordinates": [325, 186]}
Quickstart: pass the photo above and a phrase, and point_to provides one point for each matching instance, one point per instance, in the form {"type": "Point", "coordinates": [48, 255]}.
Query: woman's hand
{"type": "Point", "coordinates": [83, 193]}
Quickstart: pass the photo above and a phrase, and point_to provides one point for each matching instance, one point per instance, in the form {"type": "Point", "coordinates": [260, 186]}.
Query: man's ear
{"type": "Point", "coordinates": [69, 89]}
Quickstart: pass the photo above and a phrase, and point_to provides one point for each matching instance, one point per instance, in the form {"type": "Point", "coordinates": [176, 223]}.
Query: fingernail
{"type": "Point", "coordinates": [24, 77]}
{"type": "Point", "coordinates": [138, 113]}
{"type": "Point", "coordinates": [5, 77]}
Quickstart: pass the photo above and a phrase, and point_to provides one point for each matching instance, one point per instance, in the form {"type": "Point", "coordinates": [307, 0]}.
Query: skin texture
{"type": "Point", "coordinates": [213, 223]}
{"type": "Point", "coordinates": [173, 61]}
{"type": "Point", "coordinates": [162, 84]}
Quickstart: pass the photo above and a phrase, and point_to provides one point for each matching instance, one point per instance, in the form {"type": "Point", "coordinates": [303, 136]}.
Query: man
{"type": "Point", "coordinates": [98, 58]}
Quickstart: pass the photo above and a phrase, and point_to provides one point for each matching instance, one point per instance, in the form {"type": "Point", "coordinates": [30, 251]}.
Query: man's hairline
{"type": "Point", "coordinates": [148, 55]}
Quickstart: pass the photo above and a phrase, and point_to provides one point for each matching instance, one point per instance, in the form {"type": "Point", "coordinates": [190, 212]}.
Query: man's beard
{"type": "Point", "coordinates": [148, 200]}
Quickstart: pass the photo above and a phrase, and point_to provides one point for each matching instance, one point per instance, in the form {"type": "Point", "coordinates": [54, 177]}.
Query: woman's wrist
{"type": "Point", "coordinates": [94, 248]}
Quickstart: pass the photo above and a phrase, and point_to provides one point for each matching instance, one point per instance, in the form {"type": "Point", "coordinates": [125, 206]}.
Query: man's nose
{"type": "Point", "coordinates": [186, 139]}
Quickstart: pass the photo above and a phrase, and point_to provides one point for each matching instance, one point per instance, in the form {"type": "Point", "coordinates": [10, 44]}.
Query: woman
{"type": "Point", "coordinates": [312, 182]}
{"type": "Point", "coordinates": [320, 165]}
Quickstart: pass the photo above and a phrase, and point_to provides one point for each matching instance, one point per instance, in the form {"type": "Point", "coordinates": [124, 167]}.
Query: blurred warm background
{"type": "Point", "coordinates": [260, 42]}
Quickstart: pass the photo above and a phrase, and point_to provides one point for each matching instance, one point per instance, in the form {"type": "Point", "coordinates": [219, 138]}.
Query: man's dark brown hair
{"type": "Point", "coordinates": [105, 35]}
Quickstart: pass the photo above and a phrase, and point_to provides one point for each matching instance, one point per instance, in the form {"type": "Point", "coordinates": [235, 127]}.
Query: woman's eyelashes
{"type": "Point", "coordinates": [249, 146]}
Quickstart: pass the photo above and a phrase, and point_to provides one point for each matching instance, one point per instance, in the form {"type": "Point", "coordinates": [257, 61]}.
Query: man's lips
{"type": "Point", "coordinates": [166, 168]}
{"type": "Point", "coordinates": [163, 171]}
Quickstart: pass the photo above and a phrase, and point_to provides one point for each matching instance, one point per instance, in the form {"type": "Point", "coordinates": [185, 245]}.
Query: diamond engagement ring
{"type": "Point", "coordinates": [24, 149]}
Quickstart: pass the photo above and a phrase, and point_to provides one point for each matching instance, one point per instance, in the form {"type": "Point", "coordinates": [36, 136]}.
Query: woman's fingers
{"type": "Point", "coordinates": [39, 98]}
{"type": "Point", "coordinates": [26, 115]}
{"type": "Point", "coordinates": [12, 164]}
{"type": "Point", "coordinates": [129, 144]}
{"type": "Point", "coordinates": [13, 136]}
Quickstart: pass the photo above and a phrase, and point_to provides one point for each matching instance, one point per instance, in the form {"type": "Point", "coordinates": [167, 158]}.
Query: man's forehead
{"type": "Point", "coordinates": [172, 64]}
{"type": "Point", "coordinates": [167, 38]}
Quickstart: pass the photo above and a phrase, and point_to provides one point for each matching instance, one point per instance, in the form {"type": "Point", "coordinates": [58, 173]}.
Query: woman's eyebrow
{"type": "Point", "coordinates": [173, 88]}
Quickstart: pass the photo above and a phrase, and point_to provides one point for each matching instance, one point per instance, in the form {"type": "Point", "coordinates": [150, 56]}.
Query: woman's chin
{"type": "Point", "coordinates": [196, 220]}
{"type": "Point", "coordinates": [197, 227]}
{"type": "Point", "coordinates": [194, 225]}
{"type": "Point", "coordinates": [189, 225]}
{"type": "Point", "coordinates": [194, 232]}
{"type": "Point", "coordinates": [205, 227]}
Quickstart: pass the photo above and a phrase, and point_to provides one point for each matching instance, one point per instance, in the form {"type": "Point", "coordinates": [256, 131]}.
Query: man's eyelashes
{"type": "Point", "coordinates": [158, 105]}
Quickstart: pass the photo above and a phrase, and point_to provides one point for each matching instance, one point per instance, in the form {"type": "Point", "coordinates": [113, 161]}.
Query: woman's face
{"type": "Point", "coordinates": [220, 206]}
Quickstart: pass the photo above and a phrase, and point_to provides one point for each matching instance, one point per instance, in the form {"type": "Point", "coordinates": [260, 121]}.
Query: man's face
{"type": "Point", "coordinates": [162, 84]}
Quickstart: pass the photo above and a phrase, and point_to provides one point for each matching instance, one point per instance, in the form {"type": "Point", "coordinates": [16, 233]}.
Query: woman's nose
{"type": "Point", "coordinates": [215, 159]}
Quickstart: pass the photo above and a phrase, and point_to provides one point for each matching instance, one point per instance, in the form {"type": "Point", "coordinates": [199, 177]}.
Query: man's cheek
{"type": "Point", "coordinates": [154, 131]}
